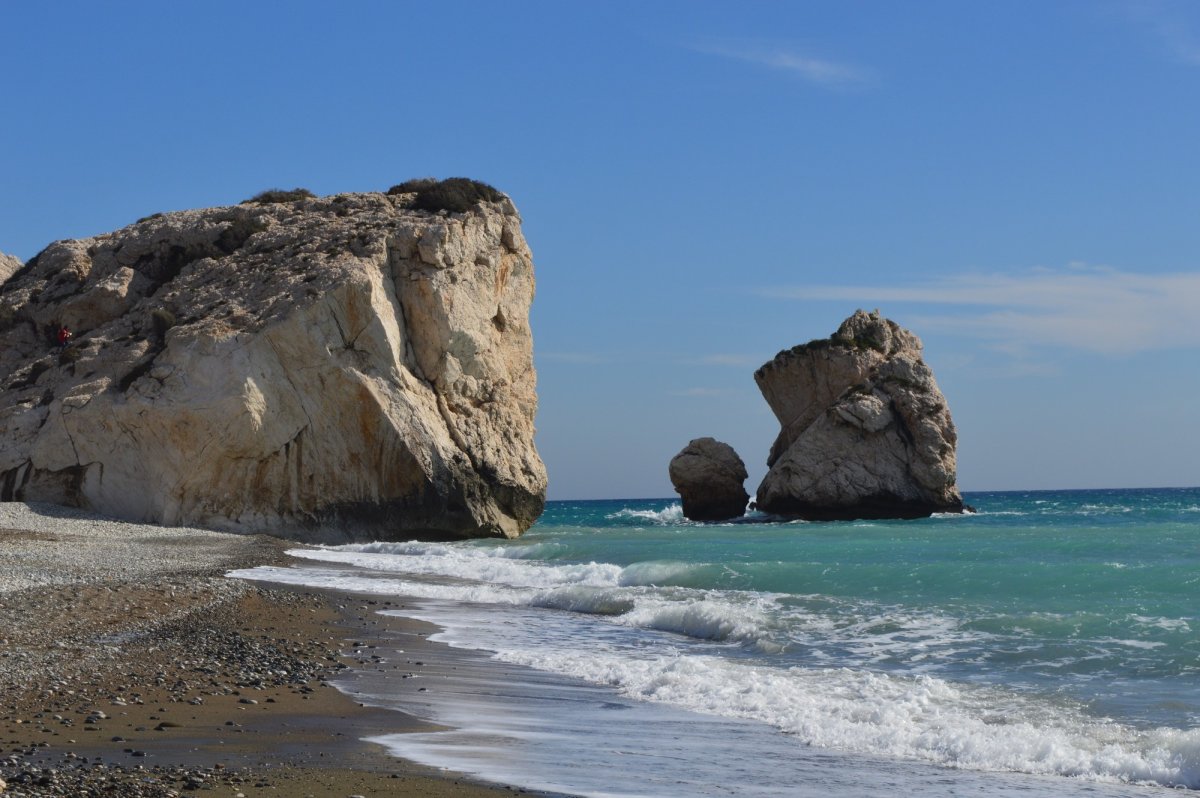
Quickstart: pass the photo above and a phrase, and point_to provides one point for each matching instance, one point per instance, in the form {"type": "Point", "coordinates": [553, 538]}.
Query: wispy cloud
{"type": "Point", "coordinates": [701, 392]}
{"type": "Point", "coordinates": [582, 358]}
{"type": "Point", "coordinates": [1168, 21]}
{"type": "Point", "coordinates": [807, 67]}
{"type": "Point", "coordinates": [1181, 41]}
{"type": "Point", "coordinates": [734, 361]}
{"type": "Point", "coordinates": [1081, 307]}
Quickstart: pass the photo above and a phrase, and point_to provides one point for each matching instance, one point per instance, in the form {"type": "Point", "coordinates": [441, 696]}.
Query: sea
{"type": "Point", "coordinates": [1046, 645]}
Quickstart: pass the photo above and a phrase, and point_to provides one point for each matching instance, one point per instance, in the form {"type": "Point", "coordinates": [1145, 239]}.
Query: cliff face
{"type": "Point", "coordinates": [866, 433]}
{"type": "Point", "coordinates": [8, 266]}
{"type": "Point", "coordinates": [326, 369]}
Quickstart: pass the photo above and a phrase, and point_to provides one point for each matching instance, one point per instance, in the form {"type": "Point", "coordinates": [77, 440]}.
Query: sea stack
{"type": "Point", "coordinates": [351, 367]}
{"type": "Point", "coordinates": [865, 431]}
{"type": "Point", "coordinates": [709, 477]}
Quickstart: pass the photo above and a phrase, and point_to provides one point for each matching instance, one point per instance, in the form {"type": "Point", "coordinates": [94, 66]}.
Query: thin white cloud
{"type": "Point", "coordinates": [1094, 309]}
{"type": "Point", "coordinates": [1181, 42]}
{"type": "Point", "coordinates": [582, 358]}
{"type": "Point", "coordinates": [735, 361]}
{"type": "Point", "coordinates": [702, 392]}
{"type": "Point", "coordinates": [818, 71]}
{"type": "Point", "coordinates": [1168, 21]}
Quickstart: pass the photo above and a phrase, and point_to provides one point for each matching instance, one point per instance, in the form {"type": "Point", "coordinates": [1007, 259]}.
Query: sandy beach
{"type": "Point", "coordinates": [130, 666]}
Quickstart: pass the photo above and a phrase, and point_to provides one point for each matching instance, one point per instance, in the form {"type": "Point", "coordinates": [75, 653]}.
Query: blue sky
{"type": "Point", "coordinates": [703, 184]}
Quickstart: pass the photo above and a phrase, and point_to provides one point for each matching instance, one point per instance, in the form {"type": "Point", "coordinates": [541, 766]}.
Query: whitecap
{"type": "Point", "coordinates": [920, 718]}
{"type": "Point", "coordinates": [479, 564]}
{"type": "Point", "coordinates": [668, 516]}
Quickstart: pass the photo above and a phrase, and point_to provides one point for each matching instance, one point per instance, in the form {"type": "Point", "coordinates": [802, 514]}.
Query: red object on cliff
{"type": "Point", "coordinates": [64, 335]}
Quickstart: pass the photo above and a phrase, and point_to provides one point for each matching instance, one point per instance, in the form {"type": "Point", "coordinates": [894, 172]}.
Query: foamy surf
{"type": "Point", "coordinates": [921, 718]}
{"type": "Point", "coordinates": [1048, 639]}
{"type": "Point", "coordinates": [670, 515]}
{"type": "Point", "coordinates": [850, 710]}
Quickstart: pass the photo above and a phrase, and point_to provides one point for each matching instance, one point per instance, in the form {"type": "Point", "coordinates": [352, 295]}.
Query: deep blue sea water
{"type": "Point", "coordinates": [1048, 644]}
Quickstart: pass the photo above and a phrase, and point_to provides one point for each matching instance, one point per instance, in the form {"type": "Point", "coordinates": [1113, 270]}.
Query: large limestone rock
{"type": "Point", "coordinates": [709, 477]}
{"type": "Point", "coordinates": [9, 266]}
{"type": "Point", "coordinates": [327, 369]}
{"type": "Point", "coordinates": [865, 431]}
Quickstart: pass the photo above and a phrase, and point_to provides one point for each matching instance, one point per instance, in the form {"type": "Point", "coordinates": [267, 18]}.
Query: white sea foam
{"type": "Point", "coordinates": [706, 615]}
{"type": "Point", "coordinates": [1142, 644]}
{"type": "Point", "coordinates": [481, 564]}
{"type": "Point", "coordinates": [706, 619]}
{"type": "Point", "coordinates": [1169, 624]}
{"type": "Point", "coordinates": [1103, 509]}
{"type": "Point", "coordinates": [848, 709]}
{"type": "Point", "coordinates": [585, 599]}
{"type": "Point", "coordinates": [641, 596]}
{"type": "Point", "coordinates": [671, 515]}
{"type": "Point", "coordinates": [350, 581]}
{"type": "Point", "coordinates": [921, 718]}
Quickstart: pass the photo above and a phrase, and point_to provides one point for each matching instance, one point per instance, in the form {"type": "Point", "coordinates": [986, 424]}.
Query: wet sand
{"type": "Point", "coordinates": [164, 678]}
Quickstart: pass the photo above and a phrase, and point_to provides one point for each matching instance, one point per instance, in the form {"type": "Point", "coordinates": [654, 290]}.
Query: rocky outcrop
{"type": "Point", "coordinates": [335, 368]}
{"type": "Point", "coordinates": [709, 476]}
{"type": "Point", "coordinates": [865, 431]}
{"type": "Point", "coordinates": [9, 266]}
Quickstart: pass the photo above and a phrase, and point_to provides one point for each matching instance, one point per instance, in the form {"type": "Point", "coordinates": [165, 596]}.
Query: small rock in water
{"type": "Point", "coordinates": [709, 476]}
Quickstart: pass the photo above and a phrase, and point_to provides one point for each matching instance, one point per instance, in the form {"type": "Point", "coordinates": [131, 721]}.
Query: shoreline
{"type": "Point", "coordinates": [156, 675]}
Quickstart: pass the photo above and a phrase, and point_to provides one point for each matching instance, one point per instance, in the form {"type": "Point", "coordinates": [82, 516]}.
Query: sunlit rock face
{"type": "Point", "coordinates": [865, 431]}
{"type": "Point", "coordinates": [9, 266]}
{"type": "Point", "coordinates": [328, 369]}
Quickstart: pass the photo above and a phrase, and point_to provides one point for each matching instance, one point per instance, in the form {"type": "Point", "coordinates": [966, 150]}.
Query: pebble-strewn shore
{"type": "Point", "coordinates": [67, 696]}
{"type": "Point", "coordinates": [130, 666]}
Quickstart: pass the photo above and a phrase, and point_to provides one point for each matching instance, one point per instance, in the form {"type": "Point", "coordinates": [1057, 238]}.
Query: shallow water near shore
{"type": "Point", "coordinates": [1044, 646]}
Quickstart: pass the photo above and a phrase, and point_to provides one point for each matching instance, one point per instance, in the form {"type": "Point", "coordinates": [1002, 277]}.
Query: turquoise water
{"type": "Point", "coordinates": [1054, 591]}
{"type": "Point", "coordinates": [1051, 633]}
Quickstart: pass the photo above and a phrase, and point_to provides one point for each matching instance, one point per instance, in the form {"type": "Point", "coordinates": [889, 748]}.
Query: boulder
{"type": "Point", "coordinates": [8, 266]}
{"type": "Point", "coordinates": [709, 476]}
{"type": "Point", "coordinates": [327, 369]}
{"type": "Point", "coordinates": [865, 431]}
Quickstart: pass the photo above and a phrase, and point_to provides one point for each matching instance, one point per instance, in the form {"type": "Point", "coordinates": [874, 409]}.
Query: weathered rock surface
{"type": "Point", "coordinates": [865, 431]}
{"type": "Point", "coordinates": [325, 369]}
{"type": "Point", "coordinates": [709, 477]}
{"type": "Point", "coordinates": [9, 266]}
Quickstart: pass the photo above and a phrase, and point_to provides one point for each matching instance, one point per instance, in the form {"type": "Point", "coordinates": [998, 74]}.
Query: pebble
{"type": "Point", "coordinates": [174, 601]}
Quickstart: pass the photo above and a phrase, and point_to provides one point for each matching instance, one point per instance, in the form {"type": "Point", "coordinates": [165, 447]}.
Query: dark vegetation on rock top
{"type": "Point", "coordinates": [273, 195]}
{"type": "Point", "coordinates": [454, 194]}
